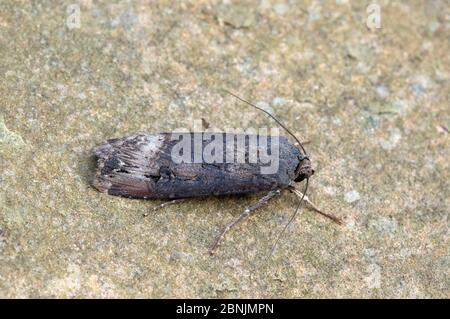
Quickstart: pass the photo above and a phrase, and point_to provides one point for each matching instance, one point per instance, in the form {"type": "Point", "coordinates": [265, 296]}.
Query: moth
{"type": "Point", "coordinates": [142, 166]}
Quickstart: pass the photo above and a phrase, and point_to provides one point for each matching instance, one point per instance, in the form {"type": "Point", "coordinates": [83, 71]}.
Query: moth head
{"type": "Point", "coordinates": [304, 169]}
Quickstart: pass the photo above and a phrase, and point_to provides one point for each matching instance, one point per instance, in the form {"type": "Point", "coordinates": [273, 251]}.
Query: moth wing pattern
{"type": "Point", "coordinates": [127, 166]}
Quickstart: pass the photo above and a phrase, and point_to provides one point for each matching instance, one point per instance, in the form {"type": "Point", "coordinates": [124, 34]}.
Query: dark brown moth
{"type": "Point", "coordinates": [141, 166]}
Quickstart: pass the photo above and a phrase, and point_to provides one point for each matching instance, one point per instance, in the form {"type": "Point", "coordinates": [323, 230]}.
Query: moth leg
{"type": "Point", "coordinates": [314, 207]}
{"type": "Point", "coordinates": [171, 202]}
{"type": "Point", "coordinates": [247, 212]}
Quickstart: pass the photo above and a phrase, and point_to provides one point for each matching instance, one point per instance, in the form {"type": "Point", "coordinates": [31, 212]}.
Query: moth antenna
{"type": "Point", "coordinates": [273, 117]}
{"type": "Point", "coordinates": [291, 219]}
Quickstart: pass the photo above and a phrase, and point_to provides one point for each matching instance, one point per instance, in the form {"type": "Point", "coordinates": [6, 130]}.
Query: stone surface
{"type": "Point", "coordinates": [352, 196]}
{"type": "Point", "coordinates": [373, 104]}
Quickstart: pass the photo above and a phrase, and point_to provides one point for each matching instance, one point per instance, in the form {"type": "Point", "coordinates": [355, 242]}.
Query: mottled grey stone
{"type": "Point", "coordinates": [373, 105]}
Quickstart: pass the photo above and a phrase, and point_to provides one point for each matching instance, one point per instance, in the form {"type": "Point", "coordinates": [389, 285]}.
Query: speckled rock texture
{"type": "Point", "coordinates": [373, 105]}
